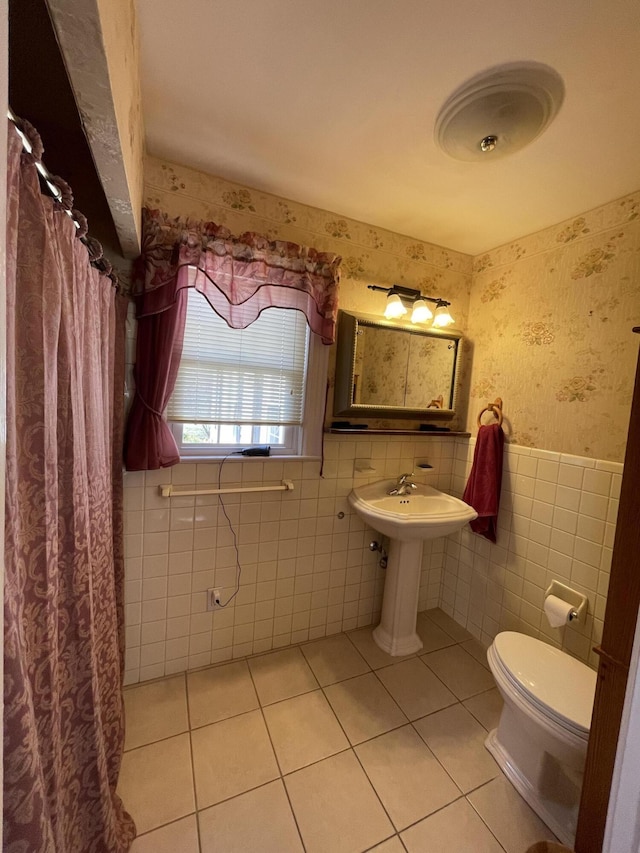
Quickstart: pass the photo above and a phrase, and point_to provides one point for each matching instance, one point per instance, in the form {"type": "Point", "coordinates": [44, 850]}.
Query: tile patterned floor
{"type": "Point", "coordinates": [330, 747]}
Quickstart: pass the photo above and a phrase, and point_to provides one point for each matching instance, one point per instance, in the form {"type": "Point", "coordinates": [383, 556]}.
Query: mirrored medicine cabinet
{"type": "Point", "coordinates": [398, 370]}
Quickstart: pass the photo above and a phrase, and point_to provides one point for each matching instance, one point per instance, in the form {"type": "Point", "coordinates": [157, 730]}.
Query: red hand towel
{"type": "Point", "coordinates": [483, 488]}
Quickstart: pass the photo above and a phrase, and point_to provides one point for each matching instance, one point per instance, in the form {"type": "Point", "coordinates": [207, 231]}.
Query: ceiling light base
{"type": "Point", "coordinates": [499, 111]}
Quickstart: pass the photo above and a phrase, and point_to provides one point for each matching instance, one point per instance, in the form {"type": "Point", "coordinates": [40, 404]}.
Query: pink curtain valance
{"type": "Point", "coordinates": [239, 275]}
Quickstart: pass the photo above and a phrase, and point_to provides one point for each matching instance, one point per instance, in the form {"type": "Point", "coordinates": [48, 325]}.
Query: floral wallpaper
{"type": "Point", "coordinates": [548, 317]}
{"type": "Point", "coordinates": [550, 321]}
{"type": "Point", "coordinates": [369, 255]}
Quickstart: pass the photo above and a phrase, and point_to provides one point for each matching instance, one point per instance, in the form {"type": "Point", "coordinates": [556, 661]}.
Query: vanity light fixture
{"type": "Point", "coordinates": [442, 316]}
{"type": "Point", "coordinates": [394, 307]}
{"type": "Point", "coordinates": [421, 312]}
{"type": "Point", "coordinates": [397, 296]}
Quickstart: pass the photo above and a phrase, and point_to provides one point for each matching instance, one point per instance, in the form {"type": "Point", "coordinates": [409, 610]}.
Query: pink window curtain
{"type": "Point", "coordinates": [63, 712]}
{"type": "Point", "coordinates": [240, 277]}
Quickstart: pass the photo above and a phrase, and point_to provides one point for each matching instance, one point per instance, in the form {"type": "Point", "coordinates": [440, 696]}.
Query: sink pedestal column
{"type": "Point", "coordinates": [396, 633]}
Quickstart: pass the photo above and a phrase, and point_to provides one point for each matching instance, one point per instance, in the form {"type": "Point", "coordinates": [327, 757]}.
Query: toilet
{"type": "Point", "coordinates": [540, 743]}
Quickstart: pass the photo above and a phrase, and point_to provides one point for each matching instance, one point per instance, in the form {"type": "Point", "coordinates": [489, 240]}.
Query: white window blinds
{"type": "Point", "coordinates": [240, 376]}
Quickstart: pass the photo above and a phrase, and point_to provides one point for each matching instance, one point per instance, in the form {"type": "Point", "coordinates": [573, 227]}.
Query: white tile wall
{"type": "Point", "coordinates": [306, 572]}
{"type": "Point", "coordinates": [557, 521]}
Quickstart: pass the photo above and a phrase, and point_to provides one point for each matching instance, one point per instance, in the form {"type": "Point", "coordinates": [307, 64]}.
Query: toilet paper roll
{"type": "Point", "coordinates": [557, 611]}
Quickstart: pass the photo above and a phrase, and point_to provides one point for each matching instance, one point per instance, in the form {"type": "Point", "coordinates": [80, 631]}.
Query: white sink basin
{"type": "Point", "coordinates": [425, 513]}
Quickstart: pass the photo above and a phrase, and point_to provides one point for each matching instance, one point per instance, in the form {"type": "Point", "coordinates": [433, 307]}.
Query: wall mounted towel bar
{"type": "Point", "coordinates": [170, 492]}
{"type": "Point", "coordinates": [495, 407]}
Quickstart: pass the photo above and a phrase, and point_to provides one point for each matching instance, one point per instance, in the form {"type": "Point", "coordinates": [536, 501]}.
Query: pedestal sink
{"type": "Point", "coordinates": [407, 520]}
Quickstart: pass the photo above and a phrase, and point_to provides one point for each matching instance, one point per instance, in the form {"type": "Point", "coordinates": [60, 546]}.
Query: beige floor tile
{"type": "Point", "coordinates": [231, 757]}
{"type": "Point", "coordinates": [457, 741]}
{"type": "Point", "coordinates": [336, 808]}
{"type": "Point", "coordinates": [456, 828]}
{"type": "Point", "coordinates": [462, 673]}
{"type": "Point", "coordinates": [303, 730]}
{"type": "Point", "coordinates": [408, 779]}
{"type": "Point", "coordinates": [156, 782]}
{"type": "Point", "coordinates": [415, 688]}
{"type": "Point", "coordinates": [444, 621]}
{"type": "Point", "coordinates": [281, 675]}
{"type": "Point", "coordinates": [220, 692]}
{"type": "Point", "coordinates": [364, 707]}
{"type": "Point", "coordinates": [476, 650]}
{"type": "Point", "coordinates": [432, 637]}
{"type": "Point", "coordinates": [334, 659]}
{"type": "Point", "coordinates": [486, 708]}
{"type": "Point", "coordinates": [181, 835]}
{"type": "Point", "coordinates": [508, 817]}
{"type": "Point", "coordinates": [393, 845]}
{"type": "Point", "coordinates": [155, 711]}
{"type": "Point", "coordinates": [258, 820]}
{"type": "Point", "coordinates": [363, 641]}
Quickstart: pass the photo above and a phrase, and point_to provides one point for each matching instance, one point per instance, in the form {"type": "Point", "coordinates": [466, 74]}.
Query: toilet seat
{"type": "Point", "coordinates": [559, 686]}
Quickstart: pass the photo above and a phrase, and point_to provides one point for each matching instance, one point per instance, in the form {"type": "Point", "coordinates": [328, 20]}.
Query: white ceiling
{"type": "Point", "coordinates": [333, 103]}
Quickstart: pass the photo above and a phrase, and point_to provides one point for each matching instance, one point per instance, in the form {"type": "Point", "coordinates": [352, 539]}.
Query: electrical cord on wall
{"type": "Point", "coordinates": [260, 450]}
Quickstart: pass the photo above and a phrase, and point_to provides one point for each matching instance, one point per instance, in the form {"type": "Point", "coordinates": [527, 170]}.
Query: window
{"type": "Point", "coordinates": [239, 387]}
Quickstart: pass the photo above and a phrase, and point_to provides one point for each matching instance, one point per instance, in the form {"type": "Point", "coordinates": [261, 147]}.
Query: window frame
{"type": "Point", "coordinates": [301, 440]}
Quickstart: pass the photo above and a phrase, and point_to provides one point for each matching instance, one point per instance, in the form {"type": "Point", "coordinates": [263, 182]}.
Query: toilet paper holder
{"type": "Point", "coordinates": [579, 601]}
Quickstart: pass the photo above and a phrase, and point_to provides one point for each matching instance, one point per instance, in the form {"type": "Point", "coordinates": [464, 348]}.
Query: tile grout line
{"type": "Point", "coordinates": [382, 734]}
{"type": "Point", "coordinates": [412, 724]}
{"type": "Point", "coordinates": [478, 813]}
{"type": "Point", "coordinates": [275, 755]}
{"type": "Point", "coordinates": [390, 838]}
{"type": "Point", "coordinates": [373, 787]}
{"type": "Point", "coordinates": [193, 767]}
{"type": "Point", "coordinates": [322, 688]}
{"type": "Point", "coordinates": [369, 739]}
{"type": "Point", "coordinates": [299, 645]}
{"type": "Point", "coordinates": [351, 749]}
{"type": "Point", "coordinates": [163, 825]}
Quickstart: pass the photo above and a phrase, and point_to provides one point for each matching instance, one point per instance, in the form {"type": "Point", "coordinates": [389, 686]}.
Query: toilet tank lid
{"type": "Point", "coordinates": [562, 683]}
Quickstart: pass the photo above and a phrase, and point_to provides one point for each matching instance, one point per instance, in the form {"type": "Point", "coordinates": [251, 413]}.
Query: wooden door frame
{"type": "Point", "coordinates": [622, 834]}
{"type": "Point", "coordinates": [621, 617]}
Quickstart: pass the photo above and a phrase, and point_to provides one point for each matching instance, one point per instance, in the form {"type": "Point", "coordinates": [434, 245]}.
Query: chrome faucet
{"type": "Point", "coordinates": [404, 486]}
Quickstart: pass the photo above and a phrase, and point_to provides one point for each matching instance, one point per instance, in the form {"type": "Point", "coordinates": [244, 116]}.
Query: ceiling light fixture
{"type": "Point", "coordinates": [499, 111]}
{"type": "Point", "coordinates": [397, 296]}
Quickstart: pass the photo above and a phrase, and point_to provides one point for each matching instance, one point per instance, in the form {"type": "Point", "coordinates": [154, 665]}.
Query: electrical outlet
{"type": "Point", "coordinates": [213, 599]}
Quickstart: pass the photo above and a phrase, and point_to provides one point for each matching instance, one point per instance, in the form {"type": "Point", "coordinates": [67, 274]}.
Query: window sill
{"type": "Point", "coordinates": [191, 460]}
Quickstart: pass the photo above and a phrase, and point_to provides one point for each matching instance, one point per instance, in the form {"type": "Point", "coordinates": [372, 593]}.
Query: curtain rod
{"type": "Point", "coordinates": [101, 263]}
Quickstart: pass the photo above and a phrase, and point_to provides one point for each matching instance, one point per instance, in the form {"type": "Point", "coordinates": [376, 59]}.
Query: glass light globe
{"type": "Point", "coordinates": [394, 308]}
{"type": "Point", "coordinates": [442, 317]}
{"type": "Point", "coordinates": [421, 312]}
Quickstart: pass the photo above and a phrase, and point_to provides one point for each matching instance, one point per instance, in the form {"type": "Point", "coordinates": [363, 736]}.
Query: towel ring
{"type": "Point", "coordinates": [495, 407]}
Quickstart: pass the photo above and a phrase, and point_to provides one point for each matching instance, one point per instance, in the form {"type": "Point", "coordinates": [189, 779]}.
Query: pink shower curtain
{"type": "Point", "coordinates": [63, 716]}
